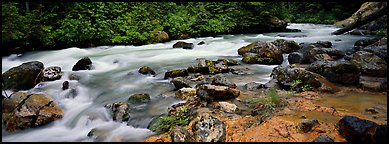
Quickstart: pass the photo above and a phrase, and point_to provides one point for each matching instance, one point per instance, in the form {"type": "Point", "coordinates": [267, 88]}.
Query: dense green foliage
{"type": "Point", "coordinates": [28, 26]}
{"type": "Point", "coordinates": [163, 123]}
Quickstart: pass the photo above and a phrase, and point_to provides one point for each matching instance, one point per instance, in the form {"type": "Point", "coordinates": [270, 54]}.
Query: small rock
{"type": "Point", "coordinates": [180, 82]}
{"type": "Point", "coordinates": [228, 107]}
{"type": "Point", "coordinates": [211, 92]}
{"type": "Point", "coordinates": [201, 43]}
{"type": "Point", "coordinates": [179, 134]}
{"type": "Point", "coordinates": [142, 97]}
{"type": "Point", "coordinates": [74, 76]}
{"type": "Point", "coordinates": [307, 125]}
{"type": "Point", "coordinates": [295, 57]}
{"type": "Point", "coordinates": [326, 44]}
{"type": "Point", "coordinates": [222, 81]}
{"type": "Point", "coordinates": [371, 110]}
{"type": "Point", "coordinates": [176, 73]}
{"type": "Point", "coordinates": [252, 86]}
{"type": "Point", "coordinates": [65, 85]}
{"type": "Point", "coordinates": [52, 73]}
{"type": "Point", "coordinates": [185, 93]}
{"type": "Point", "coordinates": [146, 70]}
{"type": "Point", "coordinates": [209, 129]}
{"type": "Point", "coordinates": [183, 45]}
{"type": "Point", "coordinates": [120, 111]}
{"type": "Point", "coordinates": [83, 64]}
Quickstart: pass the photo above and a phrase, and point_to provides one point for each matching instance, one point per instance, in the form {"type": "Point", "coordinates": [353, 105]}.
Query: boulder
{"type": "Point", "coordinates": [251, 58]}
{"type": "Point", "coordinates": [355, 129]}
{"type": "Point", "coordinates": [221, 80]}
{"type": "Point", "coordinates": [159, 36]}
{"type": "Point", "coordinates": [180, 82]}
{"type": "Point", "coordinates": [261, 53]}
{"type": "Point", "coordinates": [325, 44]}
{"type": "Point", "coordinates": [146, 70]}
{"type": "Point", "coordinates": [216, 93]}
{"type": "Point", "coordinates": [333, 53]}
{"type": "Point", "coordinates": [52, 73]}
{"type": "Point", "coordinates": [26, 110]}
{"type": "Point", "coordinates": [209, 129]}
{"type": "Point", "coordinates": [205, 66]}
{"type": "Point", "coordinates": [295, 57]}
{"type": "Point", "coordinates": [120, 111]}
{"type": "Point", "coordinates": [83, 64]}
{"type": "Point", "coordinates": [358, 45]}
{"type": "Point", "coordinates": [141, 97]}
{"type": "Point", "coordinates": [307, 125]}
{"type": "Point", "coordinates": [176, 73]}
{"type": "Point", "coordinates": [185, 93]}
{"type": "Point", "coordinates": [336, 71]}
{"type": "Point", "coordinates": [380, 134]}
{"type": "Point", "coordinates": [183, 45]}
{"type": "Point", "coordinates": [373, 83]}
{"type": "Point", "coordinates": [379, 48]}
{"type": "Point", "coordinates": [323, 138]}
{"type": "Point", "coordinates": [24, 76]}
{"type": "Point", "coordinates": [179, 134]}
{"type": "Point", "coordinates": [287, 76]}
{"type": "Point", "coordinates": [286, 46]}
{"type": "Point", "coordinates": [369, 64]}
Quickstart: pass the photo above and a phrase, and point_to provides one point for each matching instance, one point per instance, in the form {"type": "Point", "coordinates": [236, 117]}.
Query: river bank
{"type": "Point", "coordinates": [115, 77]}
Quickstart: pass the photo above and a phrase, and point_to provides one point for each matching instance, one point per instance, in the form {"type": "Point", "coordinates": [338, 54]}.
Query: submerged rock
{"type": "Point", "coordinates": [120, 111]}
{"type": "Point", "coordinates": [373, 83]}
{"type": "Point", "coordinates": [261, 53]}
{"type": "Point", "coordinates": [65, 85]}
{"type": "Point", "coordinates": [146, 70]}
{"type": "Point", "coordinates": [26, 110]}
{"type": "Point", "coordinates": [141, 97]}
{"type": "Point", "coordinates": [216, 93]}
{"type": "Point", "coordinates": [52, 73]}
{"type": "Point", "coordinates": [183, 45]}
{"type": "Point", "coordinates": [209, 129]}
{"type": "Point", "coordinates": [83, 64]}
{"type": "Point", "coordinates": [24, 76]}
{"type": "Point", "coordinates": [201, 43]}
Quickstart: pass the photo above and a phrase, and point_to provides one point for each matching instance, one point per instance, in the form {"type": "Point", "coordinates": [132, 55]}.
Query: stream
{"type": "Point", "coordinates": [115, 77]}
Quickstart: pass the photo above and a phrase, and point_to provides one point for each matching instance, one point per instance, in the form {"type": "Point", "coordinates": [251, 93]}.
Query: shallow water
{"type": "Point", "coordinates": [115, 77]}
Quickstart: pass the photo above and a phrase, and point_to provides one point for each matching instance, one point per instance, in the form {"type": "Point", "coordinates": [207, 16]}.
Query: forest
{"type": "Point", "coordinates": [29, 26]}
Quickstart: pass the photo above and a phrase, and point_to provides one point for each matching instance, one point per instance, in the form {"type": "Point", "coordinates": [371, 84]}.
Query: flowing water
{"type": "Point", "coordinates": [115, 77]}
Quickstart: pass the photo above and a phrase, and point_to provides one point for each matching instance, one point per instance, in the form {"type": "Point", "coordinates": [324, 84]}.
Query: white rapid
{"type": "Point", "coordinates": [115, 77]}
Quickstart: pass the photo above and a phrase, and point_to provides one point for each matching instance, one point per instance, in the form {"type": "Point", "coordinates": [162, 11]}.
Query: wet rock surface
{"type": "Point", "coordinates": [323, 138]}
{"type": "Point", "coordinates": [183, 45]}
{"type": "Point", "coordinates": [24, 76]}
{"type": "Point", "coordinates": [139, 97]}
{"type": "Point", "coordinates": [120, 111]}
{"type": "Point", "coordinates": [185, 93]}
{"type": "Point", "coordinates": [355, 129]}
{"type": "Point", "coordinates": [209, 129]}
{"type": "Point", "coordinates": [214, 93]}
{"type": "Point", "coordinates": [176, 73]}
{"type": "Point", "coordinates": [180, 82]}
{"type": "Point", "coordinates": [83, 64]}
{"type": "Point", "coordinates": [336, 71]}
{"type": "Point", "coordinates": [146, 70]}
{"type": "Point", "coordinates": [27, 110]}
{"type": "Point", "coordinates": [52, 73]}
{"type": "Point", "coordinates": [369, 64]}
{"type": "Point", "coordinates": [179, 134]}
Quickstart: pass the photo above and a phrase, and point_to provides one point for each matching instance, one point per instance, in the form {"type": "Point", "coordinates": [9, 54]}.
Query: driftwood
{"type": "Point", "coordinates": [368, 12]}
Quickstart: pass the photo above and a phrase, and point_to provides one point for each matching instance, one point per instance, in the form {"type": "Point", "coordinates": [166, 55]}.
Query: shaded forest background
{"type": "Point", "coordinates": [28, 26]}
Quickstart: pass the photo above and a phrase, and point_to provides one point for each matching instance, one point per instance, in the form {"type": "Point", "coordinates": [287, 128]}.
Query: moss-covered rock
{"type": "Point", "coordinates": [180, 82]}
{"type": "Point", "coordinates": [176, 73]}
{"type": "Point", "coordinates": [158, 37]}
{"type": "Point", "coordinates": [263, 53]}
{"type": "Point", "coordinates": [146, 70]}
{"type": "Point", "coordinates": [83, 64]}
{"type": "Point", "coordinates": [141, 97]}
{"type": "Point", "coordinates": [24, 76]}
{"type": "Point", "coordinates": [120, 111]}
{"type": "Point", "coordinates": [26, 110]}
